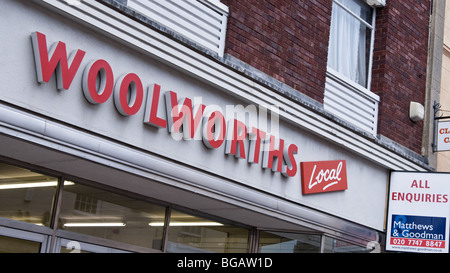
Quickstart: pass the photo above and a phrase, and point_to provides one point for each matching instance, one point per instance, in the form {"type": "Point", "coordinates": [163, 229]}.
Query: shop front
{"type": "Point", "coordinates": [117, 145]}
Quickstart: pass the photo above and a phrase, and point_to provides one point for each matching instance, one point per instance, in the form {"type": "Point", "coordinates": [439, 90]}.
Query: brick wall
{"type": "Point", "coordinates": [288, 40]}
{"type": "Point", "coordinates": [400, 68]}
{"type": "Point", "coordinates": [285, 39]}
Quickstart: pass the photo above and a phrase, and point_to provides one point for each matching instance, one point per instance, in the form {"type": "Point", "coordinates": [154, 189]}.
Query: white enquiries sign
{"type": "Point", "coordinates": [418, 212]}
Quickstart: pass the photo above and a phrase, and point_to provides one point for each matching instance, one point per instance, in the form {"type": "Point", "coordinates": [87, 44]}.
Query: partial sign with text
{"type": "Point", "coordinates": [411, 231]}
{"type": "Point", "coordinates": [443, 137]}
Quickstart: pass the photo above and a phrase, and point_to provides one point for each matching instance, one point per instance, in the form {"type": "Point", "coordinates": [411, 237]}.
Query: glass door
{"type": "Point", "coordinates": [17, 241]}
{"type": "Point", "coordinates": [71, 246]}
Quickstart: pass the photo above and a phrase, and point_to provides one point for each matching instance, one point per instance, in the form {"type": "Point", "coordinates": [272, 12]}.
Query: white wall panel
{"type": "Point", "coordinates": [357, 106]}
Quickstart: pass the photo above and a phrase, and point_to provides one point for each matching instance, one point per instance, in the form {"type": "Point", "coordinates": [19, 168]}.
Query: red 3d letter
{"type": "Point", "coordinates": [151, 108]}
{"type": "Point", "coordinates": [180, 116]}
{"type": "Point", "coordinates": [102, 68]}
{"type": "Point", "coordinates": [58, 62]}
{"type": "Point", "coordinates": [235, 140]}
{"type": "Point", "coordinates": [255, 137]}
{"type": "Point", "coordinates": [214, 130]}
{"type": "Point", "coordinates": [290, 165]}
{"type": "Point", "coordinates": [128, 104]}
{"type": "Point", "coordinates": [274, 154]}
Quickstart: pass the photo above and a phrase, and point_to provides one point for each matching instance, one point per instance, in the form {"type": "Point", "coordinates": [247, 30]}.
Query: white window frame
{"type": "Point", "coordinates": [372, 38]}
{"type": "Point", "coordinates": [348, 99]}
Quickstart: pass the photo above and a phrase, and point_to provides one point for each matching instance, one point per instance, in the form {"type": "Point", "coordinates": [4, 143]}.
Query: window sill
{"type": "Point", "coordinates": [351, 102]}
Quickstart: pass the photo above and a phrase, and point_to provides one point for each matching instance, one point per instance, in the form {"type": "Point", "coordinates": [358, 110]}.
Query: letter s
{"type": "Point", "coordinates": [290, 166]}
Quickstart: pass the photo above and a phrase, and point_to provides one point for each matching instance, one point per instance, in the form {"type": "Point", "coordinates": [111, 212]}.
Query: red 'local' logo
{"type": "Point", "coordinates": [323, 176]}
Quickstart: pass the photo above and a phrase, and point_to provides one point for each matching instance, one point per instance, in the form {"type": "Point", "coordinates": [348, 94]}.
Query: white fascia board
{"type": "Point", "coordinates": [163, 48]}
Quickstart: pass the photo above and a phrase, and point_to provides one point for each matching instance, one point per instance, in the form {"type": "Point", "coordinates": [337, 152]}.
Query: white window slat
{"type": "Point", "coordinates": [363, 111]}
{"type": "Point", "coordinates": [352, 115]}
{"type": "Point", "coordinates": [169, 15]}
{"type": "Point", "coordinates": [203, 22]}
{"type": "Point", "coordinates": [356, 106]}
{"type": "Point", "coordinates": [347, 96]}
{"type": "Point", "coordinates": [192, 15]}
{"type": "Point", "coordinates": [210, 17]}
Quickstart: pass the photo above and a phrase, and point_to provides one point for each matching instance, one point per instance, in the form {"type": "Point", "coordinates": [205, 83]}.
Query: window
{"type": "Point", "coordinates": [193, 234]}
{"type": "Point", "coordinates": [332, 245]}
{"type": "Point", "coordinates": [347, 93]}
{"type": "Point", "coordinates": [284, 242]}
{"type": "Point", "coordinates": [351, 39]}
{"type": "Point", "coordinates": [91, 219]}
{"type": "Point", "coordinates": [86, 204]}
{"type": "Point", "coordinates": [25, 195]}
{"type": "Point", "coordinates": [111, 216]}
{"type": "Point", "coordinates": [14, 240]}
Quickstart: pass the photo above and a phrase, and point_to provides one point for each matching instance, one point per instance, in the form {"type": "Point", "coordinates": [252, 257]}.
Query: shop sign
{"type": "Point", "coordinates": [418, 212]}
{"type": "Point", "coordinates": [443, 139]}
{"type": "Point", "coordinates": [323, 176]}
{"type": "Point", "coordinates": [182, 116]}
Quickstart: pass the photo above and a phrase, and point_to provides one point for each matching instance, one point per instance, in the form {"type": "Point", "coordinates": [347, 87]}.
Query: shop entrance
{"type": "Point", "coordinates": [51, 213]}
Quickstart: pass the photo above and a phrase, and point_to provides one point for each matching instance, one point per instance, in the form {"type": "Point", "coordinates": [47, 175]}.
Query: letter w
{"type": "Point", "coordinates": [45, 66]}
{"type": "Point", "coordinates": [180, 114]}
